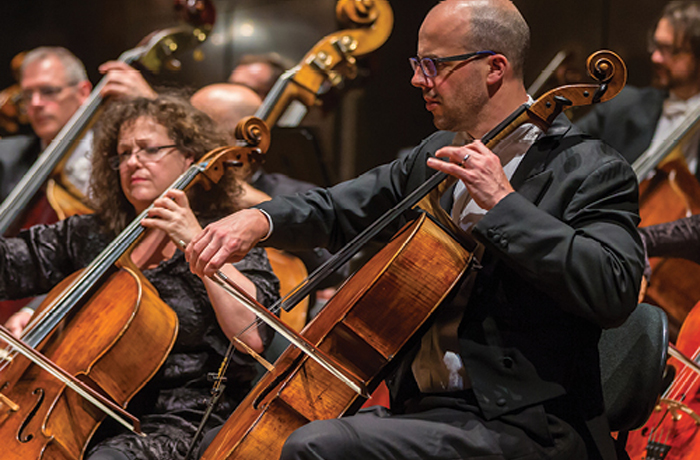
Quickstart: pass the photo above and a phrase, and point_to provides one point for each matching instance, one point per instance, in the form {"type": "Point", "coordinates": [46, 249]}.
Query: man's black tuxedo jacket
{"type": "Point", "coordinates": [563, 259]}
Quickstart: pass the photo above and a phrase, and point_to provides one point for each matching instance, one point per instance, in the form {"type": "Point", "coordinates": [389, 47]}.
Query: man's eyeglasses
{"type": "Point", "coordinates": [429, 66]}
{"type": "Point", "coordinates": [146, 155]}
{"type": "Point", "coordinates": [665, 49]}
{"type": "Point", "coordinates": [46, 93]}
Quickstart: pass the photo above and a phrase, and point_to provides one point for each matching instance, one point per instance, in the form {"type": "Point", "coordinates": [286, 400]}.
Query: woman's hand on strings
{"type": "Point", "coordinates": [172, 214]}
{"type": "Point", "coordinates": [18, 321]}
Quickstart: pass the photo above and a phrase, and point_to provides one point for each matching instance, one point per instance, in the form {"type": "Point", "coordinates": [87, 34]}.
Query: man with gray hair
{"type": "Point", "coordinates": [509, 368]}
{"type": "Point", "coordinates": [54, 85]}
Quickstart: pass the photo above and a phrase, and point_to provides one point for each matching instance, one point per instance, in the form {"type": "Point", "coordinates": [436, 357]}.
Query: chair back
{"type": "Point", "coordinates": [632, 363]}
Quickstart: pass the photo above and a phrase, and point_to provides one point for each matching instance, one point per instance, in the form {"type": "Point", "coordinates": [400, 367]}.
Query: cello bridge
{"type": "Point", "coordinates": [677, 410]}
{"type": "Point", "coordinates": [6, 402]}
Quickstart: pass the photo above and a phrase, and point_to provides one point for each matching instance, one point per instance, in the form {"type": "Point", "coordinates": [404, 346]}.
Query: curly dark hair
{"type": "Point", "coordinates": [194, 133]}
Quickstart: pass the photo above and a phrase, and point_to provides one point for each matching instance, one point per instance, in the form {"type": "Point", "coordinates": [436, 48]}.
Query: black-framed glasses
{"type": "Point", "coordinates": [147, 155]}
{"type": "Point", "coordinates": [429, 66]}
{"type": "Point", "coordinates": [46, 92]}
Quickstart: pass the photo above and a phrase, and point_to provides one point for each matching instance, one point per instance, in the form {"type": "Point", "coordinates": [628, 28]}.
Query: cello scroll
{"type": "Point", "coordinates": [606, 67]}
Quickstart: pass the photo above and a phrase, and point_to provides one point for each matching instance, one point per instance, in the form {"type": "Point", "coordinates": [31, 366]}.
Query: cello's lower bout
{"type": "Point", "coordinates": [124, 333]}
{"type": "Point", "coordinates": [366, 324]}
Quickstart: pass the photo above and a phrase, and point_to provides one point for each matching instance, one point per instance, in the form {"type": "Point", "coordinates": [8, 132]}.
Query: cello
{"type": "Point", "coordinates": [669, 191]}
{"type": "Point", "coordinates": [361, 338]}
{"type": "Point", "coordinates": [104, 326]}
{"type": "Point", "coordinates": [673, 430]}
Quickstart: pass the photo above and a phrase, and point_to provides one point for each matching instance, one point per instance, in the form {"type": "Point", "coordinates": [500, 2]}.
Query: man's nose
{"type": "Point", "coordinates": [419, 80]}
{"type": "Point", "coordinates": [657, 57]}
{"type": "Point", "coordinates": [35, 98]}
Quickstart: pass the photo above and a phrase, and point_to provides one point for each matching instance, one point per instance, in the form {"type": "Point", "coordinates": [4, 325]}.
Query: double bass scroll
{"type": "Point", "coordinates": [331, 60]}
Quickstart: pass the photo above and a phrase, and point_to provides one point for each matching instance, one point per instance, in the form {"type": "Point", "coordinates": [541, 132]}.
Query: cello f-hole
{"type": "Point", "coordinates": [279, 379]}
{"type": "Point", "coordinates": [31, 415]}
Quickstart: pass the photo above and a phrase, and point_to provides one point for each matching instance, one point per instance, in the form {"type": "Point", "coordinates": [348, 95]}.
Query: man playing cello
{"type": "Point", "coordinates": [555, 213]}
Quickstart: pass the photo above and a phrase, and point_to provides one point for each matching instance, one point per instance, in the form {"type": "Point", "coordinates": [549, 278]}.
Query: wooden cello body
{"type": "Point", "coordinates": [115, 342]}
{"type": "Point", "coordinates": [670, 194]}
{"type": "Point", "coordinates": [668, 191]}
{"type": "Point", "coordinates": [673, 430]}
{"type": "Point", "coordinates": [379, 311]}
{"type": "Point", "coordinates": [360, 327]}
{"type": "Point", "coordinates": [105, 327]}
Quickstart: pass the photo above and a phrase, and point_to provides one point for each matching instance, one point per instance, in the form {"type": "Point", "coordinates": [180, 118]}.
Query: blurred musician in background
{"type": "Point", "coordinates": [640, 118]}
{"type": "Point", "coordinates": [259, 72]}
{"type": "Point", "coordinates": [227, 104]}
{"type": "Point", "coordinates": [54, 85]}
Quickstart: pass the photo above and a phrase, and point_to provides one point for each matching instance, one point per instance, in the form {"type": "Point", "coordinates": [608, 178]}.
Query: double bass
{"type": "Point", "coordinates": [103, 330]}
{"type": "Point", "coordinates": [155, 51]}
{"type": "Point", "coordinates": [331, 62]}
{"type": "Point", "coordinates": [360, 338]}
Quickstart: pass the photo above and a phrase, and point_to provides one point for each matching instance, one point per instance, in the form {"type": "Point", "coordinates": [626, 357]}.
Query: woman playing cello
{"type": "Point", "coordinates": [141, 146]}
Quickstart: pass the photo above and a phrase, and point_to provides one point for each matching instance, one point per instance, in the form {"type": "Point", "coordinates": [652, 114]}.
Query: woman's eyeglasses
{"type": "Point", "coordinates": [144, 154]}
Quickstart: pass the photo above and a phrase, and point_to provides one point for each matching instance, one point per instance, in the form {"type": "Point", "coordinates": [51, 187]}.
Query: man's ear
{"type": "Point", "coordinates": [84, 89]}
{"type": "Point", "coordinates": [498, 65]}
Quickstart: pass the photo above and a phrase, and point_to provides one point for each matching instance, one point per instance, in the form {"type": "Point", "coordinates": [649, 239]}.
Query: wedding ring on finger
{"type": "Point", "coordinates": [464, 160]}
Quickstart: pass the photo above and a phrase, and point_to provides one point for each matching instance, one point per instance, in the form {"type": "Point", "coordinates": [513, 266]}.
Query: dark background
{"type": "Point", "coordinates": [376, 115]}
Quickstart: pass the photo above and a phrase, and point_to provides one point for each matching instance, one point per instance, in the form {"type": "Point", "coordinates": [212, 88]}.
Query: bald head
{"type": "Point", "coordinates": [226, 103]}
{"type": "Point", "coordinates": [494, 25]}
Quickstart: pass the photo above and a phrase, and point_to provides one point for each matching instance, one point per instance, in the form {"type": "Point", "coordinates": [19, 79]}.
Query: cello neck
{"type": "Point", "coordinates": [98, 269]}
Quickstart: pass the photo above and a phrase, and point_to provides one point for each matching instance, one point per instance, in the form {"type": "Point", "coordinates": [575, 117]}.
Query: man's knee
{"type": "Point", "coordinates": [319, 440]}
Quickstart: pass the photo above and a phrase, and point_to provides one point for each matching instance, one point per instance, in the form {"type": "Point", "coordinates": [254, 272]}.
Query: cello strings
{"type": "Point", "coordinates": [685, 380]}
{"type": "Point", "coordinates": [38, 329]}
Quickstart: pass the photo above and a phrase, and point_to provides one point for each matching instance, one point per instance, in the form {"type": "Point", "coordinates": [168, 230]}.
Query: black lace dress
{"type": "Point", "coordinates": [171, 405]}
